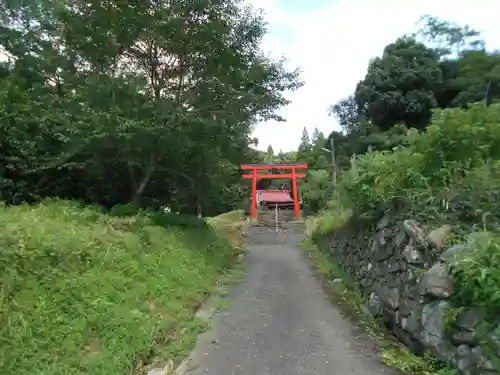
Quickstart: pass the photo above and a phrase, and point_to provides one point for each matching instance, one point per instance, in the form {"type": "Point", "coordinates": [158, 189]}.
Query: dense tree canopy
{"type": "Point", "coordinates": [398, 87]}
{"type": "Point", "coordinates": [145, 102]}
{"type": "Point", "coordinates": [444, 65]}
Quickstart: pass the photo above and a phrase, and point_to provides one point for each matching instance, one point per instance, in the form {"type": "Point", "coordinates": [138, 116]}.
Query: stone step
{"type": "Point", "coordinates": [286, 228]}
{"type": "Point", "coordinates": [271, 238]}
{"type": "Point", "coordinates": [280, 223]}
{"type": "Point", "coordinates": [290, 229]}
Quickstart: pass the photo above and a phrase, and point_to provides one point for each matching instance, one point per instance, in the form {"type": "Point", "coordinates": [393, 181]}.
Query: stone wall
{"type": "Point", "coordinates": [403, 272]}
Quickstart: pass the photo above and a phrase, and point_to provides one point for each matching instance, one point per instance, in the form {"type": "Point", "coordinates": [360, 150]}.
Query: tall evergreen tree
{"type": "Point", "coordinates": [269, 158]}
{"type": "Point", "coordinates": [305, 143]}
{"type": "Point", "coordinates": [317, 137]}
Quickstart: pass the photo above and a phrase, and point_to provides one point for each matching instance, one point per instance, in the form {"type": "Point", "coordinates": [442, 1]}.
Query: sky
{"type": "Point", "coordinates": [332, 41]}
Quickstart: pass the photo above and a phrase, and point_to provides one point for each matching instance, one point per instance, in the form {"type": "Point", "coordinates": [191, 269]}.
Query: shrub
{"type": "Point", "coordinates": [379, 178]}
{"type": "Point", "coordinates": [449, 172]}
{"type": "Point", "coordinates": [473, 199]}
{"type": "Point", "coordinates": [458, 139]}
{"type": "Point", "coordinates": [163, 219]}
{"type": "Point", "coordinates": [476, 274]}
{"type": "Point", "coordinates": [124, 210]}
{"type": "Point", "coordinates": [317, 190]}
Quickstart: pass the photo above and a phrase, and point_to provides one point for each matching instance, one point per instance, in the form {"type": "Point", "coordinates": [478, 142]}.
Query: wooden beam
{"type": "Point", "coordinates": [296, 208]}
{"type": "Point", "coordinates": [275, 176]}
{"type": "Point", "coordinates": [267, 167]}
{"type": "Point", "coordinates": [253, 211]}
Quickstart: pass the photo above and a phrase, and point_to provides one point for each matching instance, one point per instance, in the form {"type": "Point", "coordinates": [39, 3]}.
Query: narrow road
{"type": "Point", "coordinates": [281, 323]}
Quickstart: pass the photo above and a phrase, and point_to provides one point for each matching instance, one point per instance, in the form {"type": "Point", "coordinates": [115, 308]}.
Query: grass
{"type": "Point", "coordinates": [230, 225]}
{"type": "Point", "coordinates": [82, 292]}
{"type": "Point", "coordinates": [349, 297]}
{"type": "Point", "coordinates": [346, 292]}
{"type": "Point", "coordinates": [327, 221]}
{"type": "Point", "coordinates": [476, 276]}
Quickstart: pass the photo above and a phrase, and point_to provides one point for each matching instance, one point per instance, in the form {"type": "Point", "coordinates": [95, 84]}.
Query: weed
{"type": "Point", "coordinates": [405, 361]}
{"type": "Point", "coordinates": [327, 221]}
{"type": "Point", "coordinates": [476, 274]}
{"type": "Point", "coordinates": [232, 226]}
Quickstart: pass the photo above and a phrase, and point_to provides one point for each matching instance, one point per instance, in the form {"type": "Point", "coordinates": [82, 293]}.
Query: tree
{"type": "Point", "coordinates": [286, 157]}
{"type": "Point", "coordinates": [467, 68]}
{"type": "Point", "coordinates": [399, 86]}
{"type": "Point", "coordinates": [317, 190]}
{"type": "Point", "coordinates": [449, 37]}
{"type": "Point", "coordinates": [117, 102]}
{"type": "Point", "coordinates": [347, 113]}
{"type": "Point", "coordinates": [476, 69]}
{"type": "Point", "coordinates": [305, 143]}
{"type": "Point", "coordinates": [317, 138]}
{"type": "Point", "coordinates": [269, 158]}
{"type": "Point", "coordinates": [317, 157]}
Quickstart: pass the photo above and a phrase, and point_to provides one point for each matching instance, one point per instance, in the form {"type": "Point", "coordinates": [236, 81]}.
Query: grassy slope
{"type": "Point", "coordinates": [230, 225]}
{"type": "Point", "coordinates": [87, 293]}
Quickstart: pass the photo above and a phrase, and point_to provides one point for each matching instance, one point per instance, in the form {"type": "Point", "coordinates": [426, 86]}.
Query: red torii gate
{"type": "Point", "coordinates": [254, 176]}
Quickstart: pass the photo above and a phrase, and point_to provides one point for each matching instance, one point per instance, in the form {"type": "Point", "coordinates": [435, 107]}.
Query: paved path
{"type": "Point", "coordinates": [281, 323]}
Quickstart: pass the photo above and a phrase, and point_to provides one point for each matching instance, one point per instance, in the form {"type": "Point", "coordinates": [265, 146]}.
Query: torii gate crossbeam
{"type": "Point", "coordinates": [254, 176]}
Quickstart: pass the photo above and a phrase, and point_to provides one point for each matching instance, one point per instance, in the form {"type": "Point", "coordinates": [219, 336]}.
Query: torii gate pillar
{"type": "Point", "coordinates": [254, 176]}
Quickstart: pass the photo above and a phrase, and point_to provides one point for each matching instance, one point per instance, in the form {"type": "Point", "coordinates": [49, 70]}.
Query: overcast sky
{"type": "Point", "coordinates": [332, 41]}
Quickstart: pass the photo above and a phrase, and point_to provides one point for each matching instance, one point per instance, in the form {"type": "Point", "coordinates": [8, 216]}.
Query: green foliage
{"type": "Point", "coordinates": [450, 171]}
{"type": "Point", "coordinates": [347, 113]}
{"type": "Point", "coordinates": [475, 70]}
{"type": "Point", "coordinates": [269, 155]}
{"type": "Point", "coordinates": [124, 210]}
{"type": "Point", "coordinates": [328, 220]}
{"type": "Point", "coordinates": [475, 273]}
{"type": "Point", "coordinates": [379, 178]}
{"type": "Point", "coordinates": [151, 104]}
{"type": "Point", "coordinates": [398, 87]}
{"type": "Point", "coordinates": [459, 140]}
{"type": "Point", "coordinates": [410, 79]}
{"type": "Point", "coordinates": [450, 37]}
{"type": "Point", "coordinates": [317, 190]}
{"type": "Point", "coordinates": [84, 292]}
{"type": "Point", "coordinates": [156, 217]}
{"type": "Point", "coordinates": [473, 199]}
{"type": "Point", "coordinates": [305, 143]}
{"type": "Point", "coordinates": [409, 363]}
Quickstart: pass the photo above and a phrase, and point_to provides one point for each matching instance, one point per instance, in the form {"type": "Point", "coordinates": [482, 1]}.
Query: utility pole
{"type": "Point", "coordinates": [334, 166]}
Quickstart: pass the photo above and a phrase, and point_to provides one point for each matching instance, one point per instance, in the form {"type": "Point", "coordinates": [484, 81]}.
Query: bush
{"type": "Point", "coordinates": [449, 172]}
{"type": "Point", "coordinates": [163, 219]}
{"type": "Point", "coordinates": [380, 178]}
{"type": "Point", "coordinates": [458, 140]}
{"type": "Point", "coordinates": [473, 199]}
{"type": "Point", "coordinates": [88, 293]}
{"type": "Point", "coordinates": [123, 210]}
{"type": "Point", "coordinates": [476, 274]}
{"type": "Point", "coordinates": [316, 191]}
